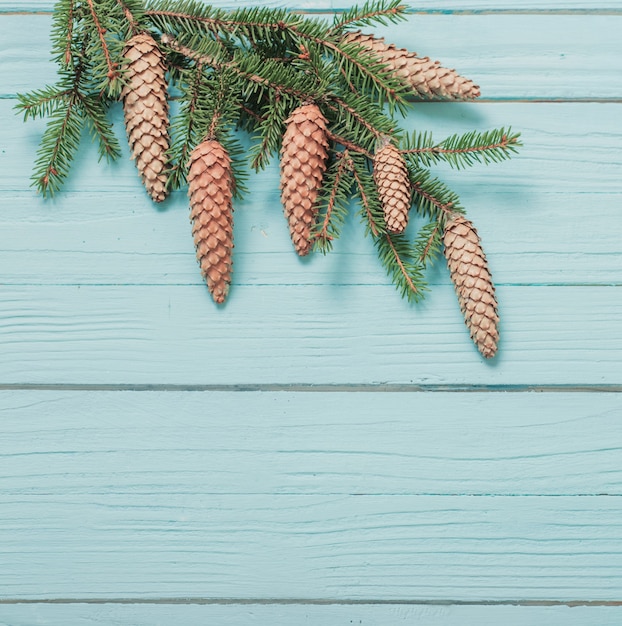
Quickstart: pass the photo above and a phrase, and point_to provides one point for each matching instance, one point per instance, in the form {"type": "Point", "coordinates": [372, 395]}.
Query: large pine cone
{"type": "Point", "coordinates": [146, 112]}
{"type": "Point", "coordinates": [303, 163]}
{"type": "Point", "coordinates": [426, 78]}
{"type": "Point", "coordinates": [473, 283]}
{"type": "Point", "coordinates": [210, 187]}
{"type": "Point", "coordinates": [393, 184]}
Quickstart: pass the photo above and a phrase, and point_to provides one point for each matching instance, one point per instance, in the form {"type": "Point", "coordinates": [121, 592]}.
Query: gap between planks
{"type": "Point", "coordinates": [311, 602]}
{"type": "Point", "coordinates": [320, 388]}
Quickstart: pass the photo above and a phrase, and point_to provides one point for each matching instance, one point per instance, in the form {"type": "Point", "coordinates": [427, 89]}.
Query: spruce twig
{"type": "Point", "coordinates": [261, 70]}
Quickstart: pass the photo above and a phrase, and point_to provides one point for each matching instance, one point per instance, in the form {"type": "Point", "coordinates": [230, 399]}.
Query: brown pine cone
{"type": "Point", "coordinates": [210, 187]}
{"type": "Point", "coordinates": [426, 78]}
{"type": "Point", "coordinates": [303, 163]}
{"type": "Point", "coordinates": [146, 112]}
{"type": "Point", "coordinates": [473, 283]}
{"type": "Point", "coordinates": [393, 184]}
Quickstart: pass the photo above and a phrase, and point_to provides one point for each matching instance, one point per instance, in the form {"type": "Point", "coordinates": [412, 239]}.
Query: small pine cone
{"type": "Point", "coordinates": [393, 184]}
{"type": "Point", "coordinates": [303, 163]}
{"type": "Point", "coordinates": [210, 187]}
{"type": "Point", "coordinates": [473, 283]}
{"type": "Point", "coordinates": [146, 112]}
{"type": "Point", "coordinates": [427, 78]}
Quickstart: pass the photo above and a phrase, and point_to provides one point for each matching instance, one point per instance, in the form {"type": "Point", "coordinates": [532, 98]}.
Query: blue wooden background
{"type": "Point", "coordinates": [318, 451]}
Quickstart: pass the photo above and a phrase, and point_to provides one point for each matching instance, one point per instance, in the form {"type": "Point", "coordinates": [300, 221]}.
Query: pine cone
{"type": "Point", "coordinates": [473, 283]}
{"type": "Point", "coordinates": [303, 163]}
{"type": "Point", "coordinates": [146, 112]}
{"type": "Point", "coordinates": [426, 78]}
{"type": "Point", "coordinates": [393, 184]}
{"type": "Point", "coordinates": [210, 187]}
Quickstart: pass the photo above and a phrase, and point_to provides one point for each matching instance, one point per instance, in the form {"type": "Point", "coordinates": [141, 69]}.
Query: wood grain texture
{"type": "Point", "coordinates": [312, 334]}
{"type": "Point", "coordinates": [509, 56]}
{"type": "Point", "coordinates": [279, 615]}
{"type": "Point", "coordinates": [75, 444]}
{"type": "Point", "coordinates": [164, 543]}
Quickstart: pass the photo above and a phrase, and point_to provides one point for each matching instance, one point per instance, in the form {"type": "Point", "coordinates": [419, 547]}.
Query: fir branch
{"type": "Point", "coordinates": [349, 144]}
{"type": "Point", "coordinates": [361, 67]}
{"type": "Point", "coordinates": [41, 102]}
{"type": "Point", "coordinates": [358, 64]}
{"type": "Point", "coordinates": [372, 12]}
{"type": "Point", "coordinates": [113, 74]}
{"type": "Point", "coordinates": [368, 195]}
{"type": "Point", "coordinates": [183, 131]}
{"type": "Point", "coordinates": [431, 196]}
{"type": "Point", "coordinates": [358, 117]}
{"type": "Point", "coordinates": [429, 241]}
{"type": "Point", "coordinates": [58, 146]}
{"type": "Point", "coordinates": [401, 263]}
{"type": "Point", "coordinates": [132, 12]}
{"type": "Point", "coordinates": [333, 202]}
{"type": "Point", "coordinates": [462, 150]}
{"type": "Point", "coordinates": [62, 33]}
{"type": "Point", "coordinates": [94, 110]}
{"type": "Point", "coordinates": [261, 72]}
{"type": "Point", "coordinates": [270, 130]}
{"type": "Point", "coordinates": [399, 258]}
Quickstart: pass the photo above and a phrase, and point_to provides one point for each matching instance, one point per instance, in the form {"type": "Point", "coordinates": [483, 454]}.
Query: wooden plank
{"type": "Point", "coordinates": [530, 212]}
{"type": "Point", "coordinates": [448, 6]}
{"type": "Point", "coordinates": [310, 615]}
{"type": "Point", "coordinates": [509, 56]}
{"type": "Point", "coordinates": [310, 334]}
{"type": "Point", "coordinates": [85, 444]}
{"type": "Point", "coordinates": [166, 544]}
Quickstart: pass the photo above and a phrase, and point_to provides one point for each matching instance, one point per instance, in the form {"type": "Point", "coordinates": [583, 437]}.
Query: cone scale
{"type": "Point", "coordinates": [210, 188]}
{"type": "Point", "coordinates": [303, 162]}
{"type": "Point", "coordinates": [472, 280]}
{"type": "Point", "coordinates": [145, 108]}
{"type": "Point", "coordinates": [393, 185]}
{"type": "Point", "coordinates": [426, 78]}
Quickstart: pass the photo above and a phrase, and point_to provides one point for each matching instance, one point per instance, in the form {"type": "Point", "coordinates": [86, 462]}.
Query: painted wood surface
{"type": "Point", "coordinates": [379, 472]}
{"type": "Point", "coordinates": [308, 615]}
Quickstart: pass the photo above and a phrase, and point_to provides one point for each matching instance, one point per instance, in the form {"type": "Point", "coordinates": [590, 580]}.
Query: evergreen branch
{"type": "Point", "coordinates": [162, 18]}
{"type": "Point", "coordinates": [270, 130]}
{"type": "Point", "coordinates": [41, 102]}
{"type": "Point", "coordinates": [463, 150]}
{"type": "Point", "coordinates": [255, 24]}
{"type": "Point", "coordinates": [334, 204]}
{"type": "Point", "coordinates": [401, 263]}
{"type": "Point", "coordinates": [218, 104]}
{"type": "Point", "coordinates": [359, 64]}
{"type": "Point", "coordinates": [356, 115]}
{"type": "Point", "coordinates": [69, 36]}
{"type": "Point", "coordinates": [129, 13]}
{"type": "Point", "coordinates": [368, 196]}
{"type": "Point", "coordinates": [58, 147]}
{"type": "Point", "coordinates": [62, 32]}
{"type": "Point", "coordinates": [95, 112]}
{"type": "Point", "coordinates": [113, 74]}
{"type": "Point", "coordinates": [180, 149]}
{"type": "Point", "coordinates": [263, 73]}
{"type": "Point", "coordinates": [431, 196]}
{"type": "Point", "coordinates": [372, 12]}
{"type": "Point", "coordinates": [429, 241]}
{"type": "Point", "coordinates": [349, 144]}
